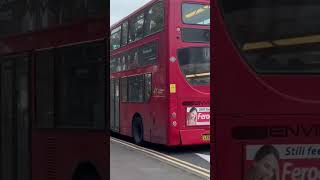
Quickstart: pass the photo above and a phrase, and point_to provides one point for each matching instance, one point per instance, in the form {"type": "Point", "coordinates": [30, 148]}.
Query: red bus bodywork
{"type": "Point", "coordinates": [164, 115]}
{"type": "Point", "coordinates": [252, 110]}
{"type": "Point", "coordinates": [59, 153]}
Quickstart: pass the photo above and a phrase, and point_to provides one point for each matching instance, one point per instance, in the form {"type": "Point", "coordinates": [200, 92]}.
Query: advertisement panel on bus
{"type": "Point", "coordinates": [282, 162]}
{"type": "Point", "coordinates": [198, 116]}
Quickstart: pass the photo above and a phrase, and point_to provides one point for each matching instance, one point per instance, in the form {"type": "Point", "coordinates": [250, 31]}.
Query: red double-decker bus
{"type": "Point", "coordinates": [266, 99]}
{"type": "Point", "coordinates": [160, 73]}
{"type": "Point", "coordinates": [52, 90]}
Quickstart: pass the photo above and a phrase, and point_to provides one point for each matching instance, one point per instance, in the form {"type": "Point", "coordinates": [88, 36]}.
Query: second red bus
{"type": "Point", "coordinates": [160, 73]}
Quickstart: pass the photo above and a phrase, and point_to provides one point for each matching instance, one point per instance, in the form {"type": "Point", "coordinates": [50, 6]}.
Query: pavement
{"type": "Point", "coordinates": [129, 164]}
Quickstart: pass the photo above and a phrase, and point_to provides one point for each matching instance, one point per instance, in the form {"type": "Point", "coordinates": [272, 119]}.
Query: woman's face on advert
{"type": "Point", "coordinates": [266, 168]}
{"type": "Point", "coordinates": [193, 115]}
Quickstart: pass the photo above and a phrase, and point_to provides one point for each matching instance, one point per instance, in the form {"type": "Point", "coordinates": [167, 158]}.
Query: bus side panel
{"type": "Point", "coordinates": [173, 136]}
{"type": "Point", "coordinates": [154, 111]}
{"type": "Point", "coordinates": [173, 123]}
{"type": "Point", "coordinates": [230, 162]}
{"type": "Point", "coordinates": [125, 119]}
{"type": "Point", "coordinates": [154, 117]}
{"type": "Point", "coordinates": [159, 100]}
{"type": "Point", "coordinates": [293, 138]}
{"type": "Point", "coordinates": [158, 129]}
{"type": "Point", "coordinates": [56, 155]}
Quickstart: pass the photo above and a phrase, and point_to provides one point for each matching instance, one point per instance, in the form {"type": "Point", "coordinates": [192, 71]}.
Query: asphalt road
{"type": "Point", "coordinates": [127, 163]}
{"type": "Point", "coordinates": [197, 155]}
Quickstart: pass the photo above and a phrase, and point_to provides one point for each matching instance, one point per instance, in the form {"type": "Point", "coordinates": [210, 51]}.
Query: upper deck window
{"type": "Point", "coordinates": [135, 58]}
{"type": "Point", "coordinates": [147, 22]}
{"type": "Point", "coordinates": [136, 28]}
{"type": "Point", "coordinates": [277, 37]}
{"type": "Point", "coordinates": [197, 14]}
{"type": "Point", "coordinates": [155, 19]}
{"type": "Point", "coordinates": [115, 38]}
{"type": "Point", "coordinates": [148, 54]}
{"type": "Point", "coordinates": [124, 34]}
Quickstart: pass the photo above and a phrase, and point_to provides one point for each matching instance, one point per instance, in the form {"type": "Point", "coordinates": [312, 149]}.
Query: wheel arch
{"type": "Point", "coordinates": [86, 168]}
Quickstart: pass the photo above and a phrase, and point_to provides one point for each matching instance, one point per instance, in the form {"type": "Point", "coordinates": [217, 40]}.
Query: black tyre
{"type": "Point", "coordinates": [86, 171]}
{"type": "Point", "coordinates": [89, 177]}
{"type": "Point", "coordinates": [137, 130]}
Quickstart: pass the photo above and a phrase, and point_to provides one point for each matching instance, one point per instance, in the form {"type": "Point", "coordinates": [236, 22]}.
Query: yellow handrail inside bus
{"type": "Point", "coordinates": [197, 75]}
{"type": "Point", "coordinates": [196, 12]}
{"type": "Point", "coordinates": [282, 42]}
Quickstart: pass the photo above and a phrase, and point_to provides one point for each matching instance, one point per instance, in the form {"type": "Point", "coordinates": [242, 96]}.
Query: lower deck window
{"type": "Point", "coordinates": [136, 89]}
{"type": "Point", "coordinates": [71, 87]}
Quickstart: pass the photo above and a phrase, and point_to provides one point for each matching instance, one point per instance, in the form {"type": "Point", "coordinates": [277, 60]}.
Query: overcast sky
{"type": "Point", "coordinates": [121, 8]}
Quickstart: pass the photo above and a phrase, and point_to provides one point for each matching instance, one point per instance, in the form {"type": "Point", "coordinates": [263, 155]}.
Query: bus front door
{"type": "Point", "coordinates": [115, 105]}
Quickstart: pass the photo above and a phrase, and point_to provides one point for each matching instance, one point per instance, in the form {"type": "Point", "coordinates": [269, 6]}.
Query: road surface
{"type": "Point", "coordinates": [128, 161]}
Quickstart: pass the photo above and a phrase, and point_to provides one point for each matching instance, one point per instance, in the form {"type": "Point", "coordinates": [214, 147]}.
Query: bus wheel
{"type": "Point", "coordinates": [137, 130]}
{"type": "Point", "coordinates": [86, 171]}
{"type": "Point", "coordinates": [89, 177]}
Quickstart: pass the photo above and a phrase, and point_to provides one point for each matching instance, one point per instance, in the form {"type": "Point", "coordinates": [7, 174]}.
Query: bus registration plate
{"type": "Point", "coordinates": [206, 137]}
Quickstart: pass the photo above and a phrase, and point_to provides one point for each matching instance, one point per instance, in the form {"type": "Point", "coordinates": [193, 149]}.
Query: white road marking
{"type": "Point", "coordinates": [204, 156]}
